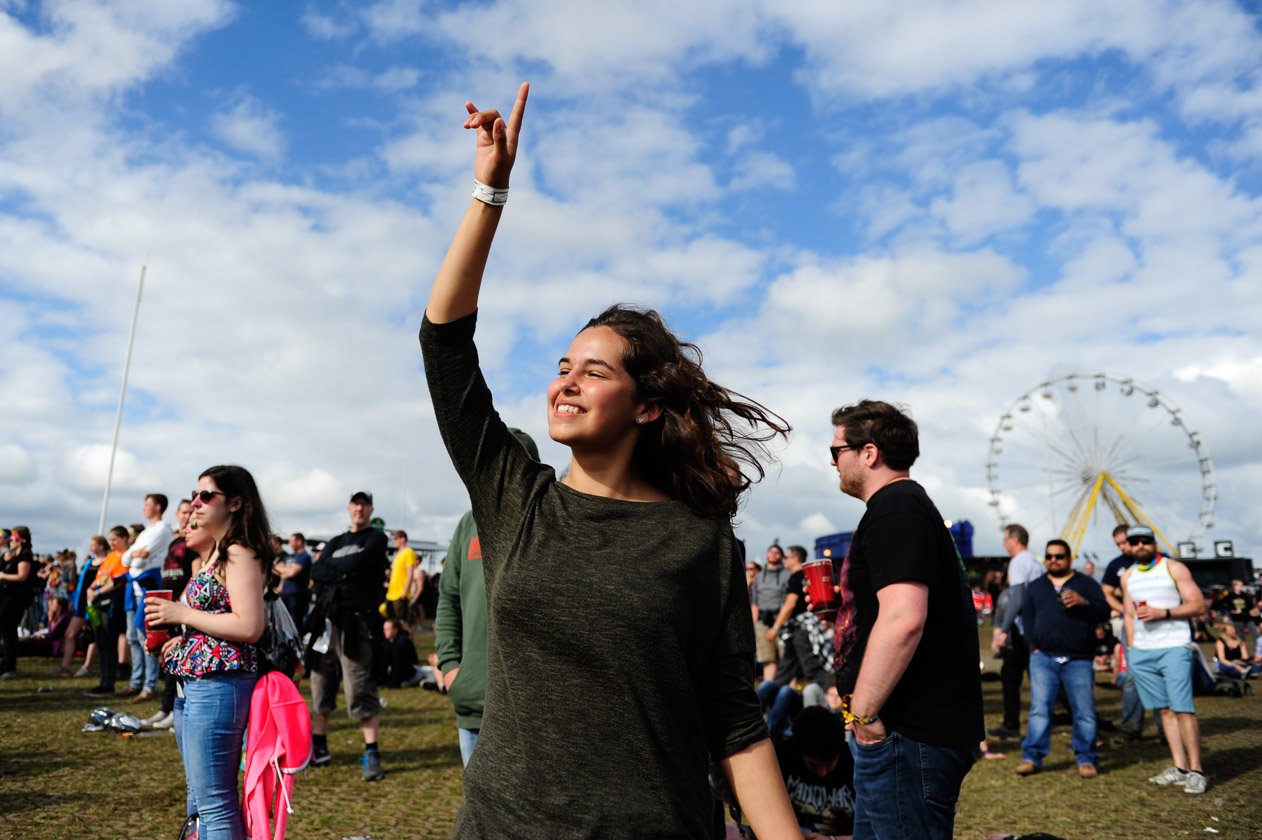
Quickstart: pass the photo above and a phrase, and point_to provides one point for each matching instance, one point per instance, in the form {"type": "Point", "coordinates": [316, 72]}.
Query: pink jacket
{"type": "Point", "coordinates": [278, 745]}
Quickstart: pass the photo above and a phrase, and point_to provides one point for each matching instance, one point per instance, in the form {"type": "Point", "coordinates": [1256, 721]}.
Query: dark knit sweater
{"type": "Point", "coordinates": [619, 640]}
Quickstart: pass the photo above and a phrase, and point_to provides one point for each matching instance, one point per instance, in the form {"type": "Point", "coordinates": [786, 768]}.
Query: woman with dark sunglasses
{"type": "Point", "coordinates": [221, 611]}
{"type": "Point", "coordinates": [620, 637]}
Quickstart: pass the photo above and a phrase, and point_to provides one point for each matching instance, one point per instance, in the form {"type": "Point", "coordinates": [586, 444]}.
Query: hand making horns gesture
{"type": "Point", "coordinates": [497, 141]}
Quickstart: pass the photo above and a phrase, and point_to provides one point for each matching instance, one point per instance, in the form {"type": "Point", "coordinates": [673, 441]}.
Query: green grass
{"type": "Point", "coordinates": [58, 782]}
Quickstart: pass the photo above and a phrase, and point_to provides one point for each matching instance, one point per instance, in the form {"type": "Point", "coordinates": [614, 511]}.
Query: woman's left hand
{"type": "Point", "coordinates": [160, 611]}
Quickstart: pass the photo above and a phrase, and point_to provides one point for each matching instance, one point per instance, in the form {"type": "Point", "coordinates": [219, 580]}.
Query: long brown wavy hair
{"type": "Point", "coordinates": [248, 527]}
{"type": "Point", "coordinates": [705, 447]}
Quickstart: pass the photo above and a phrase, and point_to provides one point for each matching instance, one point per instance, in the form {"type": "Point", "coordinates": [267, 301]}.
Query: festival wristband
{"type": "Point", "coordinates": [850, 717]}
{"type": "Point", "coordinates": [489, 195]}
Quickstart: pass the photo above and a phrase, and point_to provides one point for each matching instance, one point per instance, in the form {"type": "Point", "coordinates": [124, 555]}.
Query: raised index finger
{"type": "Point", "coordinates": [515, 118]}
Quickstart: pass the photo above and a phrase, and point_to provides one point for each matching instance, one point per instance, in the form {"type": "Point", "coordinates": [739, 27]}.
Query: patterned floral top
{"type": "Point", "coordinates": [199, 654]}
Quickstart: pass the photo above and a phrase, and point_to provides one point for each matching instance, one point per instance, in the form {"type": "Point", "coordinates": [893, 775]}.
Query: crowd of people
{"type": "Point", "coordinates": [855, 712]}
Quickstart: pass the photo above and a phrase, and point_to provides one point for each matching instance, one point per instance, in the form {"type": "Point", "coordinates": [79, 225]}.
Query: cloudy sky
{"type": "Point", "coordinates": [943, 207]}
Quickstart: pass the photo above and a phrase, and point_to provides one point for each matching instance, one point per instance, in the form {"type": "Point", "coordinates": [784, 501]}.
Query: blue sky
{"type": "Point", "coordinates": [943, 206]}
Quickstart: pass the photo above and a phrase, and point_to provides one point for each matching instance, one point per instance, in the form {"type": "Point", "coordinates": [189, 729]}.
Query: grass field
{"type": "Point", "coordinates": [58, 782]}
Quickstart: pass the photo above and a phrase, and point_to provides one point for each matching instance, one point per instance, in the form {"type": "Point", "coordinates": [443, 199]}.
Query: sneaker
{"type": "Point", "coordinates": [143, 696]}
{"type": "Point", "coordinates": [1027, 768]}
{"type": "Point", "coordinates": [83, 672]}
{"type": "Point", "coordinates": [372, 766]}
{"type": "Point", "coordinates": [154, 718]}
{"type": "Point", "coordinates": [1087, 771]}
{"type": "Point", "coordinates": [167, 721]}
{"type": "Point", "coordinates": [99, 691]}
{"type": "Point", "coordinates": [127, 691]}
{"type": "Point", "coordinates": [320, 756]}
{"type": "Point", "coordinates": [1170, 776]}
{"type": "Point", "coordinates": [59, 671]}
{"type": "Point", "coordinates": [9, 675]}
{"type": "Point", "coordinates": [1003, 733]}
{"type": "Point", "coordinates": [1196, 783]}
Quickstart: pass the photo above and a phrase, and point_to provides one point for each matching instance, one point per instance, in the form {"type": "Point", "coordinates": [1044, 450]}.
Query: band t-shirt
{"type": "Point", "coordinates": [902, 538]}
{"type": "Point", "coordinates": [821, 804]}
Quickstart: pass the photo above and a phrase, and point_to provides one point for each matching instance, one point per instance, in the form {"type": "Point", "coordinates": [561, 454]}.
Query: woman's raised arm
{"type": "Point", "coordinates": [455, 292]}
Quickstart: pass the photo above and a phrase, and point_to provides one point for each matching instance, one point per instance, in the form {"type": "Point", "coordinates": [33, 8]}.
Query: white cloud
{"type": "Point", "coordinates": [250, 126]}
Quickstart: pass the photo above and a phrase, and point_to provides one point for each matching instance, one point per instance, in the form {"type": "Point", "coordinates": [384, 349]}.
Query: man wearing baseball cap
{"type": "Point", "coordinates": [1158, 597]}
{"type": "Point", "coordinates": [349, 577]}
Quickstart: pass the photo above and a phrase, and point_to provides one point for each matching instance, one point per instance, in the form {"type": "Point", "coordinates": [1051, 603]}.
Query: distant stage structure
{"type": "Point", "coordinates": [1080, 453]}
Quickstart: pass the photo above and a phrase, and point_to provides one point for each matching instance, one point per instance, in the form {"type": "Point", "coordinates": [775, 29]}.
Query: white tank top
{"type": "Point", "coordinates": [1157, 587]}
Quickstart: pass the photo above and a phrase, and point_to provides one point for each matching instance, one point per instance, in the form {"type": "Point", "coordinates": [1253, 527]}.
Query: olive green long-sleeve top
{"type": "Point", "coordinates": [620, 647]}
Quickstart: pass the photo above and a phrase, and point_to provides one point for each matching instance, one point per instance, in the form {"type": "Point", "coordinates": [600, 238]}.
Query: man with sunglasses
{"type": "Point", "coordinates": [1132, 726]}
{"type": "Point", "coordinates": [1060, 612]}
{"type": "Point", "coordinates": [907, 655]}
{"type": "Point", "coordinates": [1159, 596]}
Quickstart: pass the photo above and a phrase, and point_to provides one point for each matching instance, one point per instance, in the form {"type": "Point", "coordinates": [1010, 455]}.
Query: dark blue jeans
{"type": "Point", "coordinates": [906, 789]}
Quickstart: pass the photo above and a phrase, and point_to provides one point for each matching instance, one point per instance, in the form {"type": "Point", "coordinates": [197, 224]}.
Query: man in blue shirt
{"type": "Point", "coordinates": [1060, 612]}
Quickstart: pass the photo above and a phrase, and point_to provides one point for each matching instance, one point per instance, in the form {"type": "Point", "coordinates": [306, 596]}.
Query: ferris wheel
{"type": "Point", "coordinates": [1079, 454]}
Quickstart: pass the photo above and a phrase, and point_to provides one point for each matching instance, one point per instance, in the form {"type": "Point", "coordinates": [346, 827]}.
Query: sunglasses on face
{"type": "Point", "coordinates": [834, 451]}
{"type": "Point", "coordinates": [1141, 540]}
{"type": "Point", "coordinates": [1055, 556]}
{"type": "Point", "coordinates": [206, 496]}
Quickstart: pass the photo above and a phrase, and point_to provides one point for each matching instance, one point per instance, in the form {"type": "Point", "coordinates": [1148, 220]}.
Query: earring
{"type": "Point", "coordinates": [642, 418]}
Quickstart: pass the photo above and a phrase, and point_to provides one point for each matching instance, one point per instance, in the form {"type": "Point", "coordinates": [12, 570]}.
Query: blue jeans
{"type": "Point", "coordinates": [177, 712]}
{"type": "Point", "coordinates": [1046, 678]}
{"type": "Point", "coordinates": [216, 708]}
{"type": "Point", "coordinates": [784, 703]}
{"type": "Point", "coordinates": [468, 740]}
{"type": "Point", "coordinates": [905, 789]}
{"type": "Point", "coordinates": [144, 665]}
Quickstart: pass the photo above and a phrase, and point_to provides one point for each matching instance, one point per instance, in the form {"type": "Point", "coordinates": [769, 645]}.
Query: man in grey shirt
{"type": "Point", "coordinates": [1008, 635]}
{"type": "Point", "coordinates": [768, 593]}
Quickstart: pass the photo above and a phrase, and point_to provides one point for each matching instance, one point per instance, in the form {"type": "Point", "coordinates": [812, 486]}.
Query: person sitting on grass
{"type": "Point", "coordinates": [818, 773]}
{"type": "Point", "coordinates": [1233, 654]}
{"type": "Point", "coordinates": [400, 654]}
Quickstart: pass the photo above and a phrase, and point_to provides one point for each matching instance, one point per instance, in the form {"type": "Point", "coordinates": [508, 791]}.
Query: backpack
{"type": "Point", "coordinates": [278, 745]}
{"type": "Point", "coordinates": [1232, 687]}
{"type": "Point", "coordinates": [279, 648]}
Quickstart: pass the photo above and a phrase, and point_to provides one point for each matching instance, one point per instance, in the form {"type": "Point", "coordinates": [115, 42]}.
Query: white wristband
{"type": "Point", "coordinates": [489, 195]}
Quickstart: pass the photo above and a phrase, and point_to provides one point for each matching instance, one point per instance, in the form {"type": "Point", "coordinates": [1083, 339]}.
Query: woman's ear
{"type": "Point", "coordinates": [648, 413]}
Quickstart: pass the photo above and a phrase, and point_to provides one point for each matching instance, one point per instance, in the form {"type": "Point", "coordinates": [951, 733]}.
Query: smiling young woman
{"type": "Point", "coordinates": [620, 641]}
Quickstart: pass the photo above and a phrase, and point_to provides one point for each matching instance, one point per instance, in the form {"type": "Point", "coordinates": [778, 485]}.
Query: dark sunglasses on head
{"type": "Point", "coordinates": [1141, 540]}
{"type": "Point", "coordinates": [205, 496]}
{"type": "Point", "coordinates": [1055, 556]}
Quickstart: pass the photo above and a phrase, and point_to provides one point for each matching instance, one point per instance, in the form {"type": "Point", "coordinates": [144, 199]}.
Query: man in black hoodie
{"type": "Point", "coordinates": [1060, 612]}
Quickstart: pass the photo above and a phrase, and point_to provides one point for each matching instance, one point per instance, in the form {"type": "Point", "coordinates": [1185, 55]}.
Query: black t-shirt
{"type": "Point", "coordinates": [825, 805]}
{"type": "Point", "coordinates": [797, 586]}
{"type": "Point", "coordinates": [1113, 572]}
{"type": "Point", "coordinates": [1240, 606]}
{"type": "Point", "coordinates": [902, 538]}
{"type": "Point", "coordinates": [356, 563]}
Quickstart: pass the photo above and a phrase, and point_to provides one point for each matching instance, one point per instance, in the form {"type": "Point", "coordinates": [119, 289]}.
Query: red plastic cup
{"type": "Point", "coordinates": [821, 588]}
{"type": "Point", "coordinates": [156, 636]}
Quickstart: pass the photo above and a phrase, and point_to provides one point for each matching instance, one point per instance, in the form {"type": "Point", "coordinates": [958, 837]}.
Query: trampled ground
{"type": "Point", "coordinates": [58, 782]}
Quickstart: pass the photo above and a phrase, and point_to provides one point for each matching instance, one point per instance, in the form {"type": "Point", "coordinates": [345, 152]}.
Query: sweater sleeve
{"type": "Point", "coordinates": [732, 713]}
{"type": "Point", "coordinates": [448, 623]}
{"type": "Point", "coordinates": [495, 468]}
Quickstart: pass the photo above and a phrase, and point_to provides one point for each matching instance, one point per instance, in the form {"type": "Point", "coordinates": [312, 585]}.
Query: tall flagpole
{"type": "Point", "coordinates": [122, 395]}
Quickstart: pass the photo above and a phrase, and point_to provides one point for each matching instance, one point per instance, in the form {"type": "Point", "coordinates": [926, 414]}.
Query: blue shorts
{"type": "Point", "coordinates": [1163, 677]}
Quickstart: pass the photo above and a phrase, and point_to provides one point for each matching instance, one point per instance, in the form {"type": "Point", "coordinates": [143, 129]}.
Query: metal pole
{"type": "Point", "coordinates": [122, 394]}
